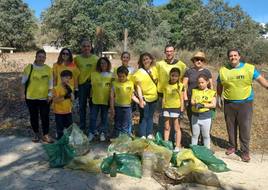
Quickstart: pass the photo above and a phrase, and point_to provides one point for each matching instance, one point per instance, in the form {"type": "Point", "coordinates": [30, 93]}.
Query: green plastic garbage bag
{"type": "Point", "coordinates": [86, 163]}
{"type": "Point", "coordinates": [163, 156]}
{"type": "Point", "coordinates": [174, 159]}
{"type": "Point", "coordinates": [159, 140]}
{"type": "Point", "coordinates": [77, 140]}
{"type": "Point", "coordinates": [128, 164]}
{"type": "Point", "coordinates": [59, 153]}
{"type": "Point", "coordinates": [187, 162]}
{"type": "Point", "coordinates": [120, 144]}
{"type": "Point", "coordinates": [206, 155]}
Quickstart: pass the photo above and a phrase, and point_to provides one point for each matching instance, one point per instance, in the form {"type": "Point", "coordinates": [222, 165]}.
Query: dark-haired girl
{"type": "Point", "coordinates": [203, 100]}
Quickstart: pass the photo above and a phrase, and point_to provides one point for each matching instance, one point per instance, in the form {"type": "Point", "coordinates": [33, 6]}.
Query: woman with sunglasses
{"type": "Point", "coordinates": [190, 80]}
{"type": "Point", "coordinates": [65, 62]}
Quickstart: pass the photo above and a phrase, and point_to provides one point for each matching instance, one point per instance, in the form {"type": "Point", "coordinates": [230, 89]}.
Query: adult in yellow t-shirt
{"type": "Point", "coordinates": [38, 83]}
{"type": "Point", "coordinates": [164, 67]}
{"type": "Point", "coordinates": [65, 62]}
{"type": "Point", "coordinates": [235, 82]}
{"type": "Point", "coordinates": [145, 80]}
{"type": "Point", "coordinates": [86, 63]}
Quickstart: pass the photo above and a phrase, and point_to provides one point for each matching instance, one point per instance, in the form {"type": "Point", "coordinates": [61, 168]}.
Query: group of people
{"type": "Point", "coordinates": [167, 84]}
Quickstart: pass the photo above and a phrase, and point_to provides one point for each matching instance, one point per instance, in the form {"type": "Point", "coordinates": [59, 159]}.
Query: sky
{"type": "Point", "coordinates": [257, 9]}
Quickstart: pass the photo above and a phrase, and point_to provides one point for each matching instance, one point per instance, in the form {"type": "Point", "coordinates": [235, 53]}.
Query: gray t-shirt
{"type": "Point", "coordinates": [192, 75]}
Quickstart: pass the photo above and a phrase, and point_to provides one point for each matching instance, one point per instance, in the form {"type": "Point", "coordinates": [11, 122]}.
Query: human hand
{"type": "Point", "coordinates": [219, 102]}
{"type": "Point", "coordinates": [112, 112]}
{"type": "Point", "coordinates": [181, 116]}
{"type": "Point", "coordinates": [199, 106]}
{"type": "Point", "coordinates": [76, 94]}
{"type": "Point", "coordinates": [69, 91]}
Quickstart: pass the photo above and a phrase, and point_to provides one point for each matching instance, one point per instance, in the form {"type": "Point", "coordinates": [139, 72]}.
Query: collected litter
{"type": "Point", "coordinates": [138, 158]}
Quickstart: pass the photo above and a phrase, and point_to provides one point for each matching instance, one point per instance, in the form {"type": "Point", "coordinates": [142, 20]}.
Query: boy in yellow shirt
{"type": "Point", "coordinates": [62, 102]}
{"type": "Point", "coordinates": [122, 93]}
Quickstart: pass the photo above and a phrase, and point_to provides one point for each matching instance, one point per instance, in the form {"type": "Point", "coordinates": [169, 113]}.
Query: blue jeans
{"type": "Point", "coordinates": [122, 118]}
{"type": "Point", "coordinates": [84, 92]}
{"type": "Point", "coordinates": [146, 123]}
{"type": "Point", "coordinates": [95, 109]}
{"type": "Point", "coordinates": [62, 121]}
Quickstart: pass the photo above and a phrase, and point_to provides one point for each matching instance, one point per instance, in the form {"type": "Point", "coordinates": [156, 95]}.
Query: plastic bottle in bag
{"type": "Point", "coordinates": [147, 164]}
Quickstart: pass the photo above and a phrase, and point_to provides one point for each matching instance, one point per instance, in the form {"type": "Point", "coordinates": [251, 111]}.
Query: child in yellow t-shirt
{"type": "Point", "coordinates": [173, 106]}
{"type": "Point", "coordinates": [62, 102]}
{"type": "Point", "coordinates": [203, 100]}
{"type": "Point", "coordinates": [122, 92]}
{"type": "Point", "coordinates": [101, 84]}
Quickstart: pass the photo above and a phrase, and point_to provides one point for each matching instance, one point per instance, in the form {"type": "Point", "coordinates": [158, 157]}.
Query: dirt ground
{"type": "Point", "coordinates": [14, 123]}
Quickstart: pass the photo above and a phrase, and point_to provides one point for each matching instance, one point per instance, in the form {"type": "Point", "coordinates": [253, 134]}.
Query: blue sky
{"type": "Point", "coordinates": [257, 9]}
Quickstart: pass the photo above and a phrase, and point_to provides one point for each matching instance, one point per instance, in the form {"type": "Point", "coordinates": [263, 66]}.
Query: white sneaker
{"type": "Point", "coordinates": [176, 149]}
{"type": "Point", "coordinates": [143, 137]}
{"type": "Point", "coordinates": [150, 137]}
{"type": "Point", "coordinates": [90, 137]}
{"type": "Point", "coordinates": [102, 137]}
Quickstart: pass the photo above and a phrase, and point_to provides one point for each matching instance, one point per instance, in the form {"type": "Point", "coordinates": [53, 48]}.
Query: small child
{"type": "Point", "coordinates": [173, 106]}
{"type": "Point", "coordinates": [122, 92]}
{"type": "Point", "coordinates": [101, 84]}
{"type": "Point", "coordinates": [125, 59]}
{"type": "Point", "coordinates": [203, 100]}
{"type": "Point", "coordinates": [62, 102]}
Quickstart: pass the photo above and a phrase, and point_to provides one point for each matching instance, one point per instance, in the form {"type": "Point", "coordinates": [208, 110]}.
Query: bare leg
{"type": "Point", "coordinates": [167, 129]}
{"type": "Point", "coordinates": [178, 132]}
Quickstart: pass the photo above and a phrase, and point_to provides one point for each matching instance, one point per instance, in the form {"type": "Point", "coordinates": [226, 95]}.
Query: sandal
{"type": "Point", "coordinates": [36, 138]}
{"type": "Point", "coordinates": [47, 139]}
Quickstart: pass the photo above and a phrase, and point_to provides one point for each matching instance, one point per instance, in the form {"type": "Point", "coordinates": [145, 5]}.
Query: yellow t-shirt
{"type": "Point", "coordinates": [123, 92]}
{"type": "Point", "coordinates": [39, 81]}
{"type": "Point", "coordinates": [101, 85]}
{"type": "Point", "coordinates": [58, 68]}
{"type": "Point", "coordinates": [148, 87]}
{"type": "Point", "coordinates": [64, 106]}
{"type": "Point", "coordinates": [86, 66]}
{"type": "Point", "coordinates": [172, 95]}
{"type": "Point", "coordinates": [202, 97]}
{"type": "Point", "coordinates": [163, 69]}
{"type": "Point", "coordinates": [131, 71]}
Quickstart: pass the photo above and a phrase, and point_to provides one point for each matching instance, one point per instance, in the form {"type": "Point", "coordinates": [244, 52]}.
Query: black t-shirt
{"type": "Point", "coordinates": [192, 75]}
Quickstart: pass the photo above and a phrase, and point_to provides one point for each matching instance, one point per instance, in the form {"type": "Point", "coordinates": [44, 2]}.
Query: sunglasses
{"type": "Point", "coordinates": [65, 53]}
{"type": "Point", "coordinates": [199, 59]}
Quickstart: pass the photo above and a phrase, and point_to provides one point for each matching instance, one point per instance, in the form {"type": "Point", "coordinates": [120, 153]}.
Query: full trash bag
{"type": "Point", "coordinates": [128, 164]}
{"type": "Point", "coordinates": [59, 153]}
{"type": "Point", "coordinates": [138, 146]}
{"type": "Point", "coordinates": [159, 140]}
{"type": "Point", "coordinates": [120, 144]}
{"type": "Point", "coordinates": [86, 163]}
{"type": "Point", "coordinates": [162, 154]}
{"type": "Point", "coordinates": [78, 140]}
{"type": "Point", "coordinates": [206, 155]}
{"type": "Point", "coordinates": [207, 178]}
{"type": "Point", "coordinates": [187, 162]}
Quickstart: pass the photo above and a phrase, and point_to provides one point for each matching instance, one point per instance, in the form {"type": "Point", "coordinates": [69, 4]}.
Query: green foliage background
{"type": "Point", "coordinates": [188, 24]}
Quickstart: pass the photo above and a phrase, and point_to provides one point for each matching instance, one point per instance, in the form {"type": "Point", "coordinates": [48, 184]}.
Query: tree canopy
{"type": "Point", "coordinates": [17, 24]}
{"type": "Point", "coordinates": [213, 27]}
